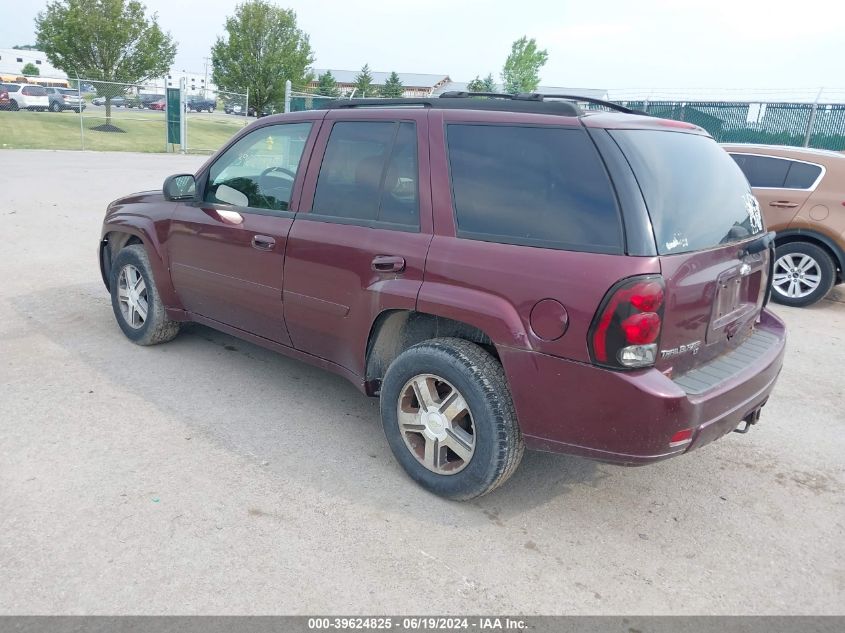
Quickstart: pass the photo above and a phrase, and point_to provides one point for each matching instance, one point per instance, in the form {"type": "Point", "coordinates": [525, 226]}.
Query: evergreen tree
{"type": "Point", "coordinates": [364, 82]}
{"type": "Point", "coordinates": [327, 86]}
{"type": "Point", "coordinates": [392, 88]}
{"type": "Point", "coordinates": [30, 70]}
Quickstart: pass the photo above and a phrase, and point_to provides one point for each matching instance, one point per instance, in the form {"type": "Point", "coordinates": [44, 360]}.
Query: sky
{"type": "Point", "coordinates": [643, 44]}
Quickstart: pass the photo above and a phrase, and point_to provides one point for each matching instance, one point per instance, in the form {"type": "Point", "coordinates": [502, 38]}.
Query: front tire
{"type": "Point", "coordinates": [56, 107]}
{"type": "Point", "coordinates": [137, 305]}
{"type": "Point", "coordinates": [804, 274]}
{"type": "Point", "coordinates": [449, 418]}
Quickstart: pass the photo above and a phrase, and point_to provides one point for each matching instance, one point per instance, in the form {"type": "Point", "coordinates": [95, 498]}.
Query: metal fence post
{"type": "Point", "coordinates": [246, 108]}
{"type": "Point", "coordinates": [287, 95]}
{"type": "Point", "coordinates": [808, 135]}
{"type": "Point", "coordinates": [81, 103]}
{"type": "Point", "coordinates": [183, 116]}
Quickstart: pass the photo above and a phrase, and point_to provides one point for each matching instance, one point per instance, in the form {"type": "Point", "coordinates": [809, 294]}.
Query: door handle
{"type": "Point", "coordinates": [263, 242]}
{"type": "Point", "coordinates": [388, 264]}
{"type": "Point", "coordinates": [783, 204]}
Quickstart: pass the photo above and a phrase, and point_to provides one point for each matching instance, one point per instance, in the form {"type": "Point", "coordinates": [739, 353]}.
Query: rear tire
{"type": "Point", "coordinates": [449, 418]}
{"type": "Point", "coordinates": [804, 274]}
{"type": "Point", "coordinates": [55, 107]}
{"type": "Point", "coordinates": [14, 106]}
{"type": "Point", "coordinates": [140, 312]}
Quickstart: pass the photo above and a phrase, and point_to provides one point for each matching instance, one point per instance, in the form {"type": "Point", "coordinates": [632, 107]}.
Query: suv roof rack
{"type": "Point", "coordinates": [538, 103]}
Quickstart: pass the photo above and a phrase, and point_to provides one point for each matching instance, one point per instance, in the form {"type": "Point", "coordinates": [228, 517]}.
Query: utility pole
{"type": "Point", "coordinates": [205, 83]}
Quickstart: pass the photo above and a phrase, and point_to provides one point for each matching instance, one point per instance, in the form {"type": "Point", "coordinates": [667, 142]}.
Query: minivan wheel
{"type": "Point", "coordinates": [804, 273]}
{"type": "Point", "coordinates": [449, 418]}
{"type": "Point", "coordinates": [135, 299]}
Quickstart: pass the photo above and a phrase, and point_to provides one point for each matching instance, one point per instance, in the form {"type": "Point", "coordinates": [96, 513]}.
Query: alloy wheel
{"type": "Point", "coordinates": [132, 296]}
{"type": "Point", "coordinates": [436, 424]}
{"type": "Point", "coordinates": [796, 275]}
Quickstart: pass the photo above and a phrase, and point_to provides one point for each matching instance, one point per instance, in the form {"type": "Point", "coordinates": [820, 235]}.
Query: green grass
{"type": "Point", "coordinates": [144, 130]}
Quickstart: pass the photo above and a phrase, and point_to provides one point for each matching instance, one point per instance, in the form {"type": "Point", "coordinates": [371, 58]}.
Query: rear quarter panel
{"type": "Point", "coordinates": [495, 286]}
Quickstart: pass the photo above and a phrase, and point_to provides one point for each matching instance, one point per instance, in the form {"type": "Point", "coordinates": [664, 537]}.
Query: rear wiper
{"type": "Point", "coordinates": [760, 244]}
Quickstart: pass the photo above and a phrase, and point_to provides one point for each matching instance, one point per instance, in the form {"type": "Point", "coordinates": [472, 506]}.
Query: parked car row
{"type": "Point", "coordinates": [502, 273]}
{"type": "Point", "coordinates": [25, 97]}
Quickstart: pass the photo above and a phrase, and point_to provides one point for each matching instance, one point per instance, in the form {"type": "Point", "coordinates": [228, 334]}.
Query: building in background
{"type": "Point", "coordinates": [12, 61]}
{"type": "Point", "coordinates": [415, 84]}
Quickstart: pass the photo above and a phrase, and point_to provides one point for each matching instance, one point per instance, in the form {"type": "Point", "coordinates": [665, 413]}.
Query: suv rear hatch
{"type": "Point", "coordinates": [714, 254]}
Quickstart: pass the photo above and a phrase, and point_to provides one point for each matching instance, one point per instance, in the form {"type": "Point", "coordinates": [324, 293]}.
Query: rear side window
{"type": "Point", "coordinates": [777, 173]}
{"type": "Point", "coordinates": [696, 195]}
{"type": "Point", "coordinates": [34, 91]}
{"type": "Point", "coordinates": [802, 175]}
{"type": "Point", "coordinates": [369, 174]}
{"type": "Point", "coordinates": [534, 186]}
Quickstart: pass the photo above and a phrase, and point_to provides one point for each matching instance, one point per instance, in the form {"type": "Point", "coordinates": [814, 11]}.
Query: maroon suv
{"type": "Point", "coordinates": [501, 272]}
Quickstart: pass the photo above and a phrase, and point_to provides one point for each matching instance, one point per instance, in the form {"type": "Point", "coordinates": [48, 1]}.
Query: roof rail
{"type": "Point", "coordinates": [461, 101]}
{"type": "Point", "coordinates": [539, 96]}
{"type": "Point", "coordinates": [594, 101]}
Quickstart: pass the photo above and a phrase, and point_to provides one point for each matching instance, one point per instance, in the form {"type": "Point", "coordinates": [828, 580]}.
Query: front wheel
{"type": "Point", "coordinates": [449, 418]}
{"type": "Point", "coordinates": [804, 273]}
{"type": "Point", "coordinates": [135, 300]}
{"type": "Point", "coordinates": [56, 107]}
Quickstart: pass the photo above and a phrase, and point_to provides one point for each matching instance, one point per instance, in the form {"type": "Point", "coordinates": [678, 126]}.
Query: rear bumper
{"type": "Point", "coordinates": [630, 417]}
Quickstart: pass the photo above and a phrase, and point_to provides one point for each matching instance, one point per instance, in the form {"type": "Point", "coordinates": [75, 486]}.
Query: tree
{"type": "Point", "coordinates": [393, 88]}
{"type": "Point", "coordinates": [30, 70]}
{"type": "Point", "coordinates": [327, 86]}
{"type": "Point", "coordinates": [364, 82]}
{"type": "Point", "coordinates": [488, 84]}
{"type": "Point", "coordinates": [105, 41]}
{"type": "Point", "coordinates": [262, 49]}
{"type": "Point", "coordinates": [522, 67]}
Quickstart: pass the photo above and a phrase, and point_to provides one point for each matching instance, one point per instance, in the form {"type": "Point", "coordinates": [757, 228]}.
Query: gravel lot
{"type": "Point", "coordinates": [211, 476]}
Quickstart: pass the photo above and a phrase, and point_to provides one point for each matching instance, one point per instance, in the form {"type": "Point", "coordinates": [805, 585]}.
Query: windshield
{"type": "Point", "coordinates": [697, 197]}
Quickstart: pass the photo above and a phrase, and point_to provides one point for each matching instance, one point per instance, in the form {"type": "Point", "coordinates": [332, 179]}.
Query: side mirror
{"type": "Point", "coordinates": [179, 187]}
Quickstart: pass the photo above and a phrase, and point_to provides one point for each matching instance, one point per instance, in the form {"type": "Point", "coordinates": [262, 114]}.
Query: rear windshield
{"type": "Point", "coordinates": [68, 91]}
{"type": "Point", "coordinates": [696, 194]}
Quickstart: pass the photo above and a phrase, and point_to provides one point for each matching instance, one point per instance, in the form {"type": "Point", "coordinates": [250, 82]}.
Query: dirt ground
{"type": "Point", "coordinates": [211, 476]}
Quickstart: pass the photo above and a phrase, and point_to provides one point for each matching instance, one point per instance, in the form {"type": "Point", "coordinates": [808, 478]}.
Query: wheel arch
{"type": "Point", "coordinates": [117, 237]}
{"type": "Point", "coordinates": [394, 331]}
{"type": "Point", "coordinates": [836, 252]}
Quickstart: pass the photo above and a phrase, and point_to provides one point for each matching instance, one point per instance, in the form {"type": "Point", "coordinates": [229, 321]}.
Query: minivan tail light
{"type": "Point", "coordinates": [626, 329]}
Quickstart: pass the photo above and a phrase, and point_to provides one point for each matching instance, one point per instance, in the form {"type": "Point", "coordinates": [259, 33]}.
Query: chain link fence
{"type": "Point", "coordinates": [101, 115]}
{"type": "Point", "coordinates": [299, 101]}
{"type": "Point", "coordinates": [805, 118]}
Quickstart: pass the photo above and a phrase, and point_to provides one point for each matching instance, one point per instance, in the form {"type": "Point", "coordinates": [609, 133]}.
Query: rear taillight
{"type": "Point", "coordinates": [626, 329]}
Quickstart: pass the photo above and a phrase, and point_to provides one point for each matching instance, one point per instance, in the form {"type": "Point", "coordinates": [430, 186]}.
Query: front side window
{"type": "Point", "coordinates": [369, 174]}
{"type": "Point", "coordinates": [762, 171]}
{"type": "Point", "coordinates": [534, 186]}
{"type": "Point", "coordinates": [259, 170]}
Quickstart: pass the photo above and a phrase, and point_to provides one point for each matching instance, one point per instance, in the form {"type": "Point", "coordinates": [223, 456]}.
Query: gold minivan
{"type": "Point", "coordinates": [802, 195]}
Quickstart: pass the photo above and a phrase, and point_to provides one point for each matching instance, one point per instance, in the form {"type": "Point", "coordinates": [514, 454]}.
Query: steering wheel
{"type": "Point", "coordinates": [270, 170]}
